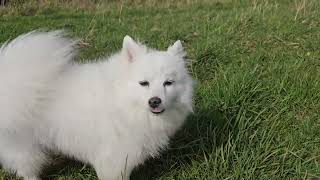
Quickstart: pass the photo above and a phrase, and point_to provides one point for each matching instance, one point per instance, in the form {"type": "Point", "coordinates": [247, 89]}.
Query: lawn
{"type": "Point", "coordinates": [257, 67]}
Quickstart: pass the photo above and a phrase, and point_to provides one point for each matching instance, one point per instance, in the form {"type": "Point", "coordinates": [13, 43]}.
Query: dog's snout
{"type": "Point", "coordinates": [154, 102]}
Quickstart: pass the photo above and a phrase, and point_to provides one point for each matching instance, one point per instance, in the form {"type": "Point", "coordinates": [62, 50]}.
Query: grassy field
{"type": "Point", "coordinates": [257, 64]}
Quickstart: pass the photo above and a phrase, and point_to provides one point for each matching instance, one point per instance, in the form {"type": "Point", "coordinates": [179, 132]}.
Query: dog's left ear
{"type": "Point", "coordinates": [177, 50]}
{"type": "Point", "coordinates": [131, 49]}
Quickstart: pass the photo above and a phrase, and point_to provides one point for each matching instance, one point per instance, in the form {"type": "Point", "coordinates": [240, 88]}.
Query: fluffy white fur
{"type": "Point", "coordinates": [28, 65]}
{"type": "Point", "coordinates": [97, 113]}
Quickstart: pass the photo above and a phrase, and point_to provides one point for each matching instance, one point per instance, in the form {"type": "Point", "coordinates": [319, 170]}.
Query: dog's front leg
{"type": "Point", "coordinates": [114, 169]}
{"type": "Point", "coordinates": [109, 175]}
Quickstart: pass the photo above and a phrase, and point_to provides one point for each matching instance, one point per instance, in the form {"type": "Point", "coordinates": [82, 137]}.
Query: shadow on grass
{"type": "Point", "coordinates": [203, 132]}
{"type": "Point", "coordinates": [69, 169]}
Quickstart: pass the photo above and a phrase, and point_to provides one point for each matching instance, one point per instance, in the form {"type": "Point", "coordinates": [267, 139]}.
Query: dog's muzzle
{"type": "Point", "coordinates": [154, 104]}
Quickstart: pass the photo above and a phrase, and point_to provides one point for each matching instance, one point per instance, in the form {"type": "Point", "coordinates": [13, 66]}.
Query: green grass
{"type": "Point", "coordinates": [257, 66]}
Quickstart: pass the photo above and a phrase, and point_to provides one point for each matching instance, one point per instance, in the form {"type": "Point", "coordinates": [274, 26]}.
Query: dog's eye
{"type": "Point", "coordinates": [168, 83]}
{"type": "Point", "coordinates": [144, 83]}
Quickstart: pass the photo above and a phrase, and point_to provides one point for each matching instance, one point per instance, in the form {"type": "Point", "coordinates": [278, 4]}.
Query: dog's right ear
{"type": "Point", "coordinates": [132, 49]}
{"type": "Point", "coordinates": [177, 49]}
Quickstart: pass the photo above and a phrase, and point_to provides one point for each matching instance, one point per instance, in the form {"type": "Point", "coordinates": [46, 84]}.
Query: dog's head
{"type": "Point", "coordinates": [158, 80]}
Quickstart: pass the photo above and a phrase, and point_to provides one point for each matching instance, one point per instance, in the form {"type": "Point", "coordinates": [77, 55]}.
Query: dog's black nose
{"type": "Point", "coordinates": [154, 102]}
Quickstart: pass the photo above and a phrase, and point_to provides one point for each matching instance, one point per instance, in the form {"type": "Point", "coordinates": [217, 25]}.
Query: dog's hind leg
{"type": "Point", "coordinates": [25, 162]}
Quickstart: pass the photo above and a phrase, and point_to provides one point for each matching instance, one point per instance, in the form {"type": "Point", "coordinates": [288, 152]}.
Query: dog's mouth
{"type": "Point", "coordinates": [157, 110]}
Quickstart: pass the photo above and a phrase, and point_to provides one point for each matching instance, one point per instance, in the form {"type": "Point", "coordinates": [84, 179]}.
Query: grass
{"type": "Point", "coordinates": [257, 64]}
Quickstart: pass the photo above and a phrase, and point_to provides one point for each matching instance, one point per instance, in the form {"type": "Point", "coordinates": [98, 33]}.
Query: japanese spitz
{"type": "Point", "coordinates": [112, 114]}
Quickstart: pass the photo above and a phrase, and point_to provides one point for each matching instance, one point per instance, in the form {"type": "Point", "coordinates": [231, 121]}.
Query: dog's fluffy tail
{"type": "Point", "coordinates": [28, 64]}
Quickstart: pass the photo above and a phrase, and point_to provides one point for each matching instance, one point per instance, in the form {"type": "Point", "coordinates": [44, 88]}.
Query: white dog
{"type": "Point", "coordinates": [112, 114]}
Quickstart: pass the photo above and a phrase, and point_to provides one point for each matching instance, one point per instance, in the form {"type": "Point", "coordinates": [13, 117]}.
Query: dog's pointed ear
{"type": "Point", "coordinates": [131, 49]}
{"type": "Point", "coordinates": [177, 49]}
